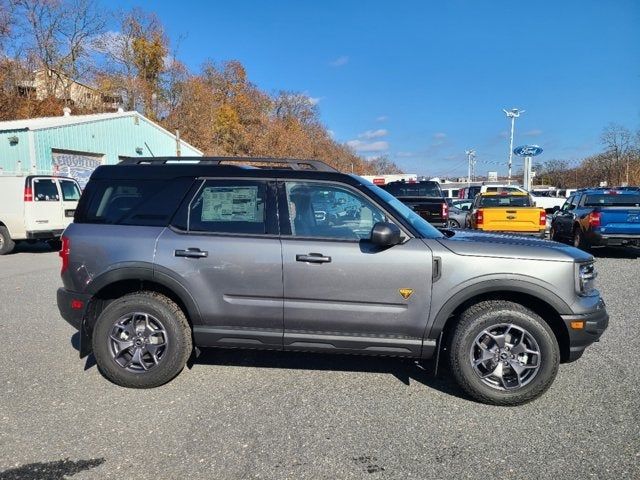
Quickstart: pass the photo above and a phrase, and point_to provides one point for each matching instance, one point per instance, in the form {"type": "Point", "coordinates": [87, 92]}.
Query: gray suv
{"type": "Point", "coordinates": [168, 254]}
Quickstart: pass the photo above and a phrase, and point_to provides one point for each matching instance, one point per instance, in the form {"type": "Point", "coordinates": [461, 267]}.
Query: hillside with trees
{"type": "Point", "coordinates": [218, 109]}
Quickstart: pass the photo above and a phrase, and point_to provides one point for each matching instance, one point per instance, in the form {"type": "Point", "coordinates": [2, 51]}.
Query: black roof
{"type": "Point", "coordinates": [157, 168]}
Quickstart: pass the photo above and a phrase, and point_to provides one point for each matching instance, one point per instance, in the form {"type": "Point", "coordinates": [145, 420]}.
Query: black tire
{"type": "Point", "coordinates": [483, 317]}
{"type": "Point", "coordinates": [174, 356]}
{"type": "Point", "coordinates": [578, 239]}
{"type": "Point", "coordinates": [6, 243]}
{"type": "Point", "coordinates": [553, 234]}
{"type": "Point", "coordinates": [453, 223]}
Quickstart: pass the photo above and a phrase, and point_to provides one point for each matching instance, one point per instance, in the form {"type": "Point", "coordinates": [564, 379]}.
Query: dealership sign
{"type": "Point", "coordinates": [527, 150]}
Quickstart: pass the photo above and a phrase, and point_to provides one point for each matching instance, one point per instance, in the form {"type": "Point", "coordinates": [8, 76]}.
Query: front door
{"type": "Point", "coordinates": [224, 250]}
{"type": "Point", "coordinates": [342, 293]}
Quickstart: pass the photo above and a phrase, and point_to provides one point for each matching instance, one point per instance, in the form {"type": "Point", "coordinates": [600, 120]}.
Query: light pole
{"type": "Point", "coordinates": [512, 114]}
{"type": "Point", "coordinates": [470, 156]}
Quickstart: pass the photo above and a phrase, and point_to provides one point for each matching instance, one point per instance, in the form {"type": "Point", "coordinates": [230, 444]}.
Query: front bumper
{"type": "Point", "coordinates": [595, 323]}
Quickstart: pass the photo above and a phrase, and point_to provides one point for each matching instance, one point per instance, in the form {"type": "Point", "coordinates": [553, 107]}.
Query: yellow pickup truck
{"type": "Point", "coordinates": [508, 212]}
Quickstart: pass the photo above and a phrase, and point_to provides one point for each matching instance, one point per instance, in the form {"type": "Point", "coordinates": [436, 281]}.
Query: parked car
{"type": "Point", "coordinates": [459, 213]}
{"type": "Point", "coordinates": [35, 207]}
{"type": "Point", "coordinates": [224, 256]}
{"type": "Point", "coordinates": [598, 217]}
{"type": "Point", "coordinates": [425, 198]}
{"type": "Point", "coordinates": [508, 213]}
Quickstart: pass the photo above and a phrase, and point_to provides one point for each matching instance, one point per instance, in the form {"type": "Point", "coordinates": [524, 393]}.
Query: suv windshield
{"type": "Point", "coordinates": [422, 189]}
{"type": "Point", "coordinates": [420, 224]}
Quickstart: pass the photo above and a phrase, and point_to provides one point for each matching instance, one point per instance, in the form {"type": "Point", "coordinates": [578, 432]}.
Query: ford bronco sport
{"type": "Point", "coordinates": [169, 254]}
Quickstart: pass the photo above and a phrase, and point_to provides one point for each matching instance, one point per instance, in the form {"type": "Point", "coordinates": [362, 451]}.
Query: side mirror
{"type": "Point", "coordinates": [465, 208]}
{"type": "Point", "coordinates": [555, 209]}
{"type": "Point", "coordinates": [385, 234]}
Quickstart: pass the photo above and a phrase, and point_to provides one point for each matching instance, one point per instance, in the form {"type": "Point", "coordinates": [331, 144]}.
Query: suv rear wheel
{"type": "Point", "coordinates": [503, 353]}
{"type": "Point", "coordinates": [6, 243]}
{"type": "Point", "coordinates": [141, 340]}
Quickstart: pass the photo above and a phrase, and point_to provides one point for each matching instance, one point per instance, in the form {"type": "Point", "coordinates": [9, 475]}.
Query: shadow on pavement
{"type": "Point", "coordinates": [50, 470]}
{"type": "Point", "coordinates": [405, 370]}
{"type": "Point", "coordinates": [616, 252]}
{"type": "Point", "coordinates": [36, 247]}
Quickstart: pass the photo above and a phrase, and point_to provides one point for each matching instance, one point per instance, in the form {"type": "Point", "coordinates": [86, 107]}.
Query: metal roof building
{"type": "Point", "coordinates": [73, 145]}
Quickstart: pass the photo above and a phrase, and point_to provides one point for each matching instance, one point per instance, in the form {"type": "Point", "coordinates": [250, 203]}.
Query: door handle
{"type": "Point", "coordinates": [313, 258]}
{"type": "Point", "coordinates": [191, 253]}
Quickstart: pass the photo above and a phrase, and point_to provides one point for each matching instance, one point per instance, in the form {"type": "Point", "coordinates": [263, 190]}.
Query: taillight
{"type": "Point", "coordinates": [594, 219]}
{"type": "Point", "coordinates": [543, 218]}
{"type": "Point", "coordinates": [64, 254]}
{"type": "Point", "coordinates": [28, 194]}
{"type": "Point", "coordinates": [479, 217]}
{"type": "Point", "coordinates": [445, 211]}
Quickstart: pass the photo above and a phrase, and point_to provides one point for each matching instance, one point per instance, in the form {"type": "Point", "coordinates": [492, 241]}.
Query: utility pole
{"type": "Point", "coordinates": [512, 114]}
{"type": "Point", "coordinates": [471, 155]}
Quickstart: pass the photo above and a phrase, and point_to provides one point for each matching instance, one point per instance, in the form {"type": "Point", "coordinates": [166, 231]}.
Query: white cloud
{"type": "Point", "coordinates": [363, 146]}
{"type": "Point", "coordinates": [314, 100]}
{"type": "Point", "coordinates": [405, 154]}
{"type": "Point", "coordinates": [369, 134]}
{"type": "Point", "coordinates": [340, 61]}
{"type": "Point", "coordinates": [382, 118]}
{"type": "Point", "coordinates": [439, 136]}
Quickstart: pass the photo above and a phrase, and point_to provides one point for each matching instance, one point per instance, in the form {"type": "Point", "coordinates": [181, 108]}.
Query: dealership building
{"type": "Point", "coordinates": [74, 145]}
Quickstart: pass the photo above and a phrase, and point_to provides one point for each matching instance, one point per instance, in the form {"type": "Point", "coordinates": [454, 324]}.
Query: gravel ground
{"type": "Point", "coordinates": [271, 415]}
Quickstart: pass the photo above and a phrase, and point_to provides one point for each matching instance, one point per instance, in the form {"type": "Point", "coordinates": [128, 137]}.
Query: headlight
{"type": "Point", "coordinates": [586, 279]}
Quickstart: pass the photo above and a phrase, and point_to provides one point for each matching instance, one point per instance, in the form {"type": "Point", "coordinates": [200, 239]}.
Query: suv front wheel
{"type": "Point", "coordinates": [141, 340]}
{"type": "Point", "coordinates": [503, 353]}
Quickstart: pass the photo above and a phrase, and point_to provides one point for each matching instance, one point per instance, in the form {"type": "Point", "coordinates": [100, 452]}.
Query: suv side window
{"type": "Point", "coordinates": [45, 190]}
{"type": "Point", "coordinates": [229, 206]}
{"type": "Point", "coordinates": [328, 211]}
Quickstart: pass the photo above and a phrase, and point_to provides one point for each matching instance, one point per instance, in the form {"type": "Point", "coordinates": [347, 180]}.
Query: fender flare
{"type": "Point", "coordinates": [490, 286]}
{"type": "Point", "coordinates": [141, 271]}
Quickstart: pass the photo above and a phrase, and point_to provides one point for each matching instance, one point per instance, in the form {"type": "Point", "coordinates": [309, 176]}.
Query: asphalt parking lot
{"type": "Point", "coordinates": [240, 414]}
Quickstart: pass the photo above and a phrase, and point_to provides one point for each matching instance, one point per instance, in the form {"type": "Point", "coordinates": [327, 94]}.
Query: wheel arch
{"type": "Point", "coordinates": [541, 301]}
{"type": "Point", "coordinates": [121, 281]}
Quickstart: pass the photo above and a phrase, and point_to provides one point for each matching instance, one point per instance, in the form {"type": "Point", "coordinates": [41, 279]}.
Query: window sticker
{"type": "Point", "coordinates": [237, 204]}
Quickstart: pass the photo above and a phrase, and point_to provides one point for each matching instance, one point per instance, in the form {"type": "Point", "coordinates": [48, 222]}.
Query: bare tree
{"type": "Point", "coordinates": [58, 37]}
{"type": "Point", "coordinates": [618, 142]}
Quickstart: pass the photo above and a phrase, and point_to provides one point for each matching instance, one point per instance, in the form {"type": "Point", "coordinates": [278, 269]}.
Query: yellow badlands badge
{"type": "Point", "coordinates": [405, 292]}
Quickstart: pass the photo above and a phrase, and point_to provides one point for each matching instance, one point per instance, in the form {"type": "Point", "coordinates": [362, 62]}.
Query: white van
{"type": "Point", "coordinates": [35, 207]}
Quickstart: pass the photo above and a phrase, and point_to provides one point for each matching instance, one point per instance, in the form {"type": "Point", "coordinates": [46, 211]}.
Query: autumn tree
{"type": "Point", "coordinates": [135, 61]}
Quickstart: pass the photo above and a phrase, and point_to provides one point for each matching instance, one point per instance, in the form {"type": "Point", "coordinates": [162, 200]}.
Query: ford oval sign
{"type": "Point", "coordinates": [527, 150]}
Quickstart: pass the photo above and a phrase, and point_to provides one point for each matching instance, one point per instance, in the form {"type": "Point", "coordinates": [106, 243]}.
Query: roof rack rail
{"type": "Point", "coordinates": [292, 163]}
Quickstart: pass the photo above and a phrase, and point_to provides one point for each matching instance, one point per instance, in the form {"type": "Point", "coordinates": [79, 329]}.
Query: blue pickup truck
{"type": "Point", "coordinates": [599, 217]}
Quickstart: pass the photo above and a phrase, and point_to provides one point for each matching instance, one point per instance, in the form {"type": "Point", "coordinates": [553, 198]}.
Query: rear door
{"type": "Point", "coordinates": [223, 248]}
{"type": "Point", "coordinates": [43, 213]}
{"type": "Point", "coordinates": [70, 194]}
{"type": "Point", "coordinates": [341, 293]}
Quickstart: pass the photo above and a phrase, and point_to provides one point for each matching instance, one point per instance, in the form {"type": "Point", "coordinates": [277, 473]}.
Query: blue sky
{"type": "Point", "coordinates": [421, 81]}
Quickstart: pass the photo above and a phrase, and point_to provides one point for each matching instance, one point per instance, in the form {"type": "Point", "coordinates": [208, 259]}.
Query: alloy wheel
{"type": "Point", "coordinates": [138, 342]}
{"type": "Point", "coordinates": [505, 357]}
